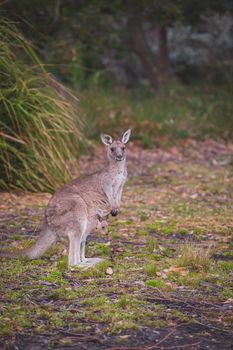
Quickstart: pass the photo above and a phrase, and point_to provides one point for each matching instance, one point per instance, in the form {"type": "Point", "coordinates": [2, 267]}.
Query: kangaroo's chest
{"type": "Point", "coordinates": [112, 183]}
{"type": "Point", "coordinates": [118, 181]}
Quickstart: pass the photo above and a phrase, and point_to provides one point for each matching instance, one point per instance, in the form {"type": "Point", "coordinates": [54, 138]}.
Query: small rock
{"type": "Point", "coordinates": [109, 271]}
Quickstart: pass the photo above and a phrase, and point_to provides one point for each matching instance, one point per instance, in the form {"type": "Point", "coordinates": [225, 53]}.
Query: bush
{"type": "Point", "coordinates": [40, 121]}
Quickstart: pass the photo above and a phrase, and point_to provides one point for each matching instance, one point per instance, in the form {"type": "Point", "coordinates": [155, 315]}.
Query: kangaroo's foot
{"type": "Point", "coordinates": [81, 265]}
{"type": "Point", "coordinates": [92, 261]}
{"type": "Point", "coordinates": [87, 263]}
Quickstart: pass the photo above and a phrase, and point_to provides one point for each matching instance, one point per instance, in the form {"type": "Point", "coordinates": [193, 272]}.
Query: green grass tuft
{"type": "Point", "coordinates": [156, 283]}
{"type": "Point", "coordinates": [152, 244]}
{"type": "Point", "coordinates": [102, 249]}
{"type": "Point", "coordinates": [194, 257]}
{"type": "Point", "coordinates": [226, 266]}
{"type": "Point", "coordinates": [150, 269]}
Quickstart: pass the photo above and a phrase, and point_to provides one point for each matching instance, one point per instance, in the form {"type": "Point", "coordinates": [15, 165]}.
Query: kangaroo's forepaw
{"type": "Point", "coordinates": [115, 212]}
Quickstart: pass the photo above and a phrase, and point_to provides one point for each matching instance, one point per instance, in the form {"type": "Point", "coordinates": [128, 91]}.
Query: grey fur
{"type": "Point", "coordinates": [79, 207]}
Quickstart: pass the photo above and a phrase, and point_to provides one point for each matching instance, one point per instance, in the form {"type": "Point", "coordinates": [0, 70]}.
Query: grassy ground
{"type": "Point", "coordinates": [166, 281]}
{"type": "Point", "coordinates": [177, 112]}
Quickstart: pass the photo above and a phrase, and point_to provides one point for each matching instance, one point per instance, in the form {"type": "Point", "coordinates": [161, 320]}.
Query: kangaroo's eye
{"type": "Point", "coordinates": [122, 148]}
{"type": "Point", "coordinates": [112, 149]}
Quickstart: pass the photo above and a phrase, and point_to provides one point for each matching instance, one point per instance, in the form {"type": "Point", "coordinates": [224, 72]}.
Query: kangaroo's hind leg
{"type": "Point", "coordinates": [97, 225]}
{"type": "Point", "coordinates": [77, 239]}
{"type": "Point", "coordinates": [77, 251]}
{"type": "Point", "coordinates": [75, 232]}
{"type": "Point", "coordinates": [74, 248]}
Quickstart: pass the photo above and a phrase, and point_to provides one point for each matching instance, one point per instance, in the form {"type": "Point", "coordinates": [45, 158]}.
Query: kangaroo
{"type": "Point", "coordinates": [80, 206]}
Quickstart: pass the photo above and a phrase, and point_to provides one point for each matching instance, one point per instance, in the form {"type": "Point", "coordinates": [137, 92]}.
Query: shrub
{"type": "Point", "coordinates": [40, 119]}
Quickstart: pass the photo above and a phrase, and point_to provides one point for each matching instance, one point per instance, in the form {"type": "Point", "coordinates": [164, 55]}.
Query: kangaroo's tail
{"type": "Point", "coordinates": [46, 239]}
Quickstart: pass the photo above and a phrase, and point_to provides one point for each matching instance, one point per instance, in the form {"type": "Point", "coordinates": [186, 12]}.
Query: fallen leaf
{"type": "Point", "coordinates": [172, 285]}
{"type": "Point", "coordinates": [181, 270]}
{"type": "Point", "coordinates": [228, 301]}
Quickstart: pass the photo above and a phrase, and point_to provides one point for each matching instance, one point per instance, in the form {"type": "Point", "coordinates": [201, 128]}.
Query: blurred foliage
{"type": "Point", "coordinates": [40, 126]}
{"type": "Point", "coordinates": [86, 45]}
{"type": "Point", "coordinates": [76, 37]}
{"type": "Point", "coordinates": [71, 38]}
{"type": "Point", "coordinates": [178, 112]}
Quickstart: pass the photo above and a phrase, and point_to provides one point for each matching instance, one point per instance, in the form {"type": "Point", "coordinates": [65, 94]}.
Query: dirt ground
{"type": "Point", "coordinates": [151, 292]}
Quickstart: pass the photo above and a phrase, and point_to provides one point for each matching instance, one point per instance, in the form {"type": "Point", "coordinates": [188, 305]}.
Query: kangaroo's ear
{"type": "Point", "coordinates": [106, 139]}
{"type": "Point", "coordinates": [126, 136]}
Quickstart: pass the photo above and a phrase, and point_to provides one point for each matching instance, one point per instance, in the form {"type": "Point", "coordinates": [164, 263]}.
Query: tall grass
{"type": "Point", "coordinates": [194, 257]}
{"type": "Point", "coordinates": [40, 119]}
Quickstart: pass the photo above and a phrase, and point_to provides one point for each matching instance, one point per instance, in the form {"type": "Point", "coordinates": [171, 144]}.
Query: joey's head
{"type": "Point", "coordinates": [116, 148]}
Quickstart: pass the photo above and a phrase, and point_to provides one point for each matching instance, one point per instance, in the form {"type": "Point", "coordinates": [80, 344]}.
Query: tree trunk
{"type": "Point", "coordinates": [163, 53]}
{"type": "Point", "coordinates": [139, 44]}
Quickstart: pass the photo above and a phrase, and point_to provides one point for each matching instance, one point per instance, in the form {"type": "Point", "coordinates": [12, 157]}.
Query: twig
{"type": "Point", "coordinates": [128, 348]}
{"type": "Point", "coordinates": [149, 347]}
{"type": "Point", "coordinates": [190, 303]}
{"type": "Point", "coordinates": [81, 336]}
{"type": "Point", "coordinates": [163, 339]}
{"type": "Point", "coordinates": [156, 346]}
{"type": "Point", "coordinates": [213, 327]}
{"type": "Point", "coordinates": [181, 346]}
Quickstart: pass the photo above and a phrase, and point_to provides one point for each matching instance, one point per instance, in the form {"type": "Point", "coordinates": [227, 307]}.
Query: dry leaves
{"type": "Point", "coordinates": [180, 270]}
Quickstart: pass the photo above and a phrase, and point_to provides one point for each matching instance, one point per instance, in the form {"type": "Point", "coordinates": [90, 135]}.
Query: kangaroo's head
{"type": "Point", "coordinates": [116, 148]}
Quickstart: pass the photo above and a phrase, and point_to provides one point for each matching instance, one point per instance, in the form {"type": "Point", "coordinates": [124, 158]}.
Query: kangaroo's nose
{"type": "Point", "coordinates": [119, 157]}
